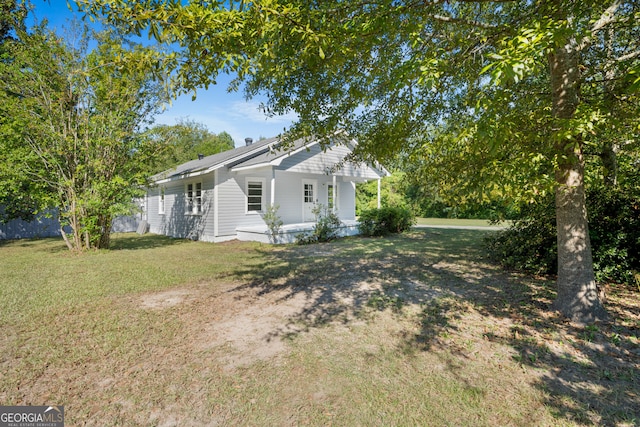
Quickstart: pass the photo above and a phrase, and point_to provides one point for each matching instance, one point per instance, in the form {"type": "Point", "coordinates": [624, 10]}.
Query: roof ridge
{"type": "Point", "coordinates": [213, 160]}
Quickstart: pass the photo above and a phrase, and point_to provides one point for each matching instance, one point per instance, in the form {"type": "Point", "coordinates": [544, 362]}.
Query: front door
{"type": "Point", "coordinates": [309, 199]}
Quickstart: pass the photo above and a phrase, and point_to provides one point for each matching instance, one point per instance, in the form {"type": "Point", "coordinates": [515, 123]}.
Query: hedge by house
{"type": "Point", "coordinates": [386, 220]}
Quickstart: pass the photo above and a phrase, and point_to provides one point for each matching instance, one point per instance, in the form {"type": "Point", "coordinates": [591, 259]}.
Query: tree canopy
{"type": "Point", "coordinates": [489, 97]}
{"type": "Point", "coordinates": [185, 141]}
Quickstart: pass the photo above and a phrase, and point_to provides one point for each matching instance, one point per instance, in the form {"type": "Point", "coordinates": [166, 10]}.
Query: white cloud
{"type": "Point", "coordinates": [252, 110]}
{"type": "Point", "coordinates": [222, 111]}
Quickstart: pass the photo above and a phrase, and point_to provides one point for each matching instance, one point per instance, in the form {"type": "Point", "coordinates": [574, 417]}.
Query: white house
{"type": "Point", "coordinates": [224, 196]}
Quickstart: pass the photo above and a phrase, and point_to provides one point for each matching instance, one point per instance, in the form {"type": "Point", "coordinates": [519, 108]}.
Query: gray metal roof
{"type": "Point", "coordinates": [258, 153]}
{"type": "Point", "coordinates": [217, 160]}
{"type": "Point", "coordinates": [275, 152]}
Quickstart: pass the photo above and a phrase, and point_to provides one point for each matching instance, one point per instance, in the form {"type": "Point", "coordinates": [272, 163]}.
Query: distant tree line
{"type": "Point", "coordinates": [402, 190]}
{"type": "Point", "coordinates": [186, 140]}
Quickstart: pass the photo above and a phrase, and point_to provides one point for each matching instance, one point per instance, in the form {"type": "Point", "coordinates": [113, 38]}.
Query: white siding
{"type": "Point", "coordinates": [175, 222]}
{"type": "Point", "coordinates": [206, 231]}
{"type": "Point", "coordinates": [230, 203]}
{"type": "Point", "coordinates": [233, 199]}
{"type": "Point", "coordinates": [289, 195]}
{"type": "Point", "coordinates": [315, 161]}
{"type": "Point", "coordinates": [347, 200]}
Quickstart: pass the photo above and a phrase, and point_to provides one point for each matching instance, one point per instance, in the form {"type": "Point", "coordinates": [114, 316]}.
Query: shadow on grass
{"type": "Point", "coordinates": [119, 241]}
{"type": "Point", "coordinates": [134, 241]}
{"type": "Point", "coordinates": [341, 278]}
{"type": "Point", "coordinates": [590, 374]}
{"type": "Point", "coordinates": [46, 244]}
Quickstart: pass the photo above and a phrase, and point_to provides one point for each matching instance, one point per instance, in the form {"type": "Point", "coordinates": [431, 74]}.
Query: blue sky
{"type": "Point", "coordinates": [216, 108]}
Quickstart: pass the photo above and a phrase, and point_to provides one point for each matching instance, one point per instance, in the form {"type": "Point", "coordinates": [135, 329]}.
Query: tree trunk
{"type": "Point", "coordinates": [577, 297]}
{"type": "Point", "coordinates": [65, 238]}
{"type": "Point", "coordinates": [74, 223]}
{"type": "Point", "coordinates": [104, 227]}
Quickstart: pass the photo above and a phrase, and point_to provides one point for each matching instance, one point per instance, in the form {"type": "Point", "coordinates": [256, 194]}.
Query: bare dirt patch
{"type": "Point", "coordinates": [248, 328]}
{"type": "Point", "coordinates": [166, 299]}
{"type": "Point", "coordinates": [244, 324]}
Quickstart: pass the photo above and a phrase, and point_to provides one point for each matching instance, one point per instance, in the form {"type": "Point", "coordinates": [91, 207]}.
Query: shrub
{"type": "Point", "coordinates": [386, 220]}
{"type": "Point", "coordinates": [408, 189]}
{"type": "Point", "coordinates": [325, 229]}
{"type": "Point", "coordinates": [530, 243]}
{"type": "Point", "coordinates": [273, 221]}
{"type": "Point", "coordinates": [614, 228]}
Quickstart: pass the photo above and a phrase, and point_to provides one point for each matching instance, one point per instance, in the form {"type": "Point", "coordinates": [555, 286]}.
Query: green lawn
{"type": "Point", "coordinates": [418, 329]}
{"type": "Point", "coordinates": [455, 222]}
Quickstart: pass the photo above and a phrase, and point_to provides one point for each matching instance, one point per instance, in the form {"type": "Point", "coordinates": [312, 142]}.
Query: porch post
{"type": "Point", "coordinates": [216, 204]}
{"type": "Point", "coordinates": [379, 181]}
{"type": "Point", "coordinates": [333, 195]}
{"type": "Point", "coordinates": [273, 186]}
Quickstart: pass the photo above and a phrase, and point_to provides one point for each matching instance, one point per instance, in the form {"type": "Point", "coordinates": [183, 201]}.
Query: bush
{"type": "Point", "coordinates": [530, 244]}
{"type": "Point", "coordinates": [325, 229]}
{"type": "Point", "coordinates": [273, 221]}
{"type": "Point", "coordinates": [614, 228]}
{"type": "Point", "coordinates": [386, 220]}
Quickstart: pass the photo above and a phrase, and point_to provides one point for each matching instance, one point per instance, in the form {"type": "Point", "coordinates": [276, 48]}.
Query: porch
{"type": "Point", "coordinates": [288, 232]}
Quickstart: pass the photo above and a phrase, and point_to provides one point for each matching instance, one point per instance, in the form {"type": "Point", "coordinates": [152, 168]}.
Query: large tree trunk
{"type": "Point", "coordinates": [578, 297]}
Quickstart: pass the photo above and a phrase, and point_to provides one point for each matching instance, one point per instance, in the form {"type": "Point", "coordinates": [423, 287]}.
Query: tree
{"type": "Point", "coordinates": [394, 191]}
{"type": "Point", "coordinates": [487, 95]}
{"type": "Point", "coordinates": [185, 141]}
{"type": "Point", "coordinates": [15, 196]}
{"type": "Point", "coordinates": [70, 122]}
{"type": "Point", "coordinates": [12, 15]}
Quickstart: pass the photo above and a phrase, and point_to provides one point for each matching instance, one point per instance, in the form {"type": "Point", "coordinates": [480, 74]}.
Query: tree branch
{"type": "Point", "coordinates": [463, 21]}
{"type": "Point", "coordinates": [628, 56]}
{"type": "Point", "coordinates": [607, 17]}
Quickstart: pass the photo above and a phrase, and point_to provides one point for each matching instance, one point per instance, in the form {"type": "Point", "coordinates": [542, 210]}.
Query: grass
{"type": "Point", "coordinates": [456, 222]}
{"type": "Point", "coordinates": [417, 329]}
{"type": "Point", "coordinates": [40, 275]}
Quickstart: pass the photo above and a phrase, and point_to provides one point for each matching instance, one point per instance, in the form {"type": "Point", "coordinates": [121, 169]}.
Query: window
{"type": "Point", "coordinates": [255, 195]}
{"type": "Point", "coordinates": [331, 202]}
{"type": "Point", "coordinates": [308, 193]}
{"type": "Point", "coordinates": [161, 201]}
{"type": "Point", "coordinates": [194, 198]}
